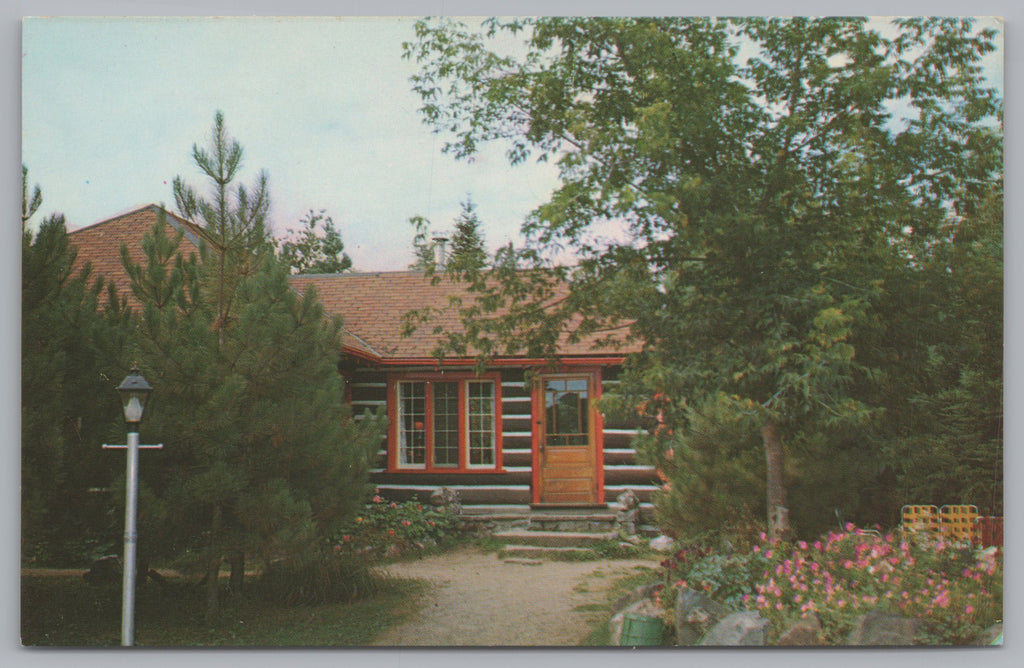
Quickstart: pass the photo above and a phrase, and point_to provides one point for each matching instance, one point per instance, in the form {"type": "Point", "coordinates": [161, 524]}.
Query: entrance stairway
{"type": "Point", "coordinates": [531, 533]}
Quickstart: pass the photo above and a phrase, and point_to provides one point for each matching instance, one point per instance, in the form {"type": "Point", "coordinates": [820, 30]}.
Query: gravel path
{"type": "Point", "coordinates": [474, 598]}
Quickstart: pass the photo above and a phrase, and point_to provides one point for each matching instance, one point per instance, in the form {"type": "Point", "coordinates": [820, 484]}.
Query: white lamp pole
{"type": "Point", "coordinates": [134, 392]}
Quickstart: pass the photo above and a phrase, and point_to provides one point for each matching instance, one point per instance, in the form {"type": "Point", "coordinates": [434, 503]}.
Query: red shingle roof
{"type": "Point", "coordinates": [372, 306]}
{"type": "Point", "coordinates": [99, 244]}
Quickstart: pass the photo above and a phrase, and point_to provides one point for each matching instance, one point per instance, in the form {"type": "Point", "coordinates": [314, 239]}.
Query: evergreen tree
{"type": "Point", "coordinates": [467, 246]}
{"type": "Point", "coordinates": [262, 458]}
{"type": "Point", "coordinates": [71, 350]}
{"type": "Point", "coordinates": [315, 253]}
{"type": "Point", "coordinates": [771, 203]}
{"type": "Point", "coordinates": [234, 217]}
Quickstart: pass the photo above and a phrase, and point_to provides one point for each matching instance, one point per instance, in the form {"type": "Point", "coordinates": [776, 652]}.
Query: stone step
{"type": "Point", "coordinates": [553, 538]}
{"type": "Point", "coordinates": [520, 553]}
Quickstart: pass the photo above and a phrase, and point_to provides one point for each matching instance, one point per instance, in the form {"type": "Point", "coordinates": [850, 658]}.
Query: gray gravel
{"type": "Point", "coordinates": [475, 599]}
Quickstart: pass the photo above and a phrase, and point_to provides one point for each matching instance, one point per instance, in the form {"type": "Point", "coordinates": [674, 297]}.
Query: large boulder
{"type": "Point", "coordinates": [740, 629]}
{"type": "Point", "coordinates": [662, 544]}
{"type": "Point", "coordinates": [803, 632]}
{"type": "Point", "coordinates": [885, 629]}
{"type": "Point", "coordinates": [647, 607]}
{"type": "Point", "coordinates": [695, 614]}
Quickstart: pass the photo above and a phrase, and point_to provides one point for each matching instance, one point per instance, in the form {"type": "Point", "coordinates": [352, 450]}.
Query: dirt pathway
{"type": "Point", "coordinates": [474, 598]}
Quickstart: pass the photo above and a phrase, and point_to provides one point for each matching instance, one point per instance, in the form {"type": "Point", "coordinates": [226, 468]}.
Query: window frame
{"type": "Point", "coordinates": [463, 379]}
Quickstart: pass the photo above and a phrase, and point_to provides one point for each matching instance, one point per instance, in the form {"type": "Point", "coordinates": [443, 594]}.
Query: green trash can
{"type": "Point", "coordinates": [641, 631]}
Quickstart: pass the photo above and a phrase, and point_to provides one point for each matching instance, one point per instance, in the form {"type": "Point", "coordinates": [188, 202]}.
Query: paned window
{"type": "Point", "coordinates": [447, 424]}
{"type": "Point", "coordinates": [481, 423]}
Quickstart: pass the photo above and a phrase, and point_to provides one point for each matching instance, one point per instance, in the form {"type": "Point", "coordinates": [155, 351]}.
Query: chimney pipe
{"type": "Point", "coordinates": [439, 251]}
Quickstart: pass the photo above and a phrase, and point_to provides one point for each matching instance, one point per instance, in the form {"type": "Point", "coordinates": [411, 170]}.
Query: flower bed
{"type": "Point", "coordinates": [388, 528]}
{"type": "Point", "coordinates": [955, 590]}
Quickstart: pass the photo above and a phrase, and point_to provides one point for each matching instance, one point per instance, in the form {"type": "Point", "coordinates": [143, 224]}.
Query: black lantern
{"type": "Point", "coordinates": [134, 392]}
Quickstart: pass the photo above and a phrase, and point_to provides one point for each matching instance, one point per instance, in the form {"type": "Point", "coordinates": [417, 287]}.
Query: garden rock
{"type": "Point", "coordinates": [662, 544]}
{"type": "Point", "coordinates": [628, 511]}
{"type": "Point", "coordinates": [638, 594]}
{"type": "Point", "coordinates": [447, 498]}
{"type": "Point", "coordinates": [696, 613]}
{"type": "Point", "coordinates": [886, 629]}
{"type": "Point", "coordinates": [806, 631]}
{"type": "Point", "coordinates": [646, 607]}
{"type": "Point", "coordinates": [740, 629]}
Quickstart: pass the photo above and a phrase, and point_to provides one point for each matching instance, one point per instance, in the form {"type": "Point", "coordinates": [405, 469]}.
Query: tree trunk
{"type": "Point", "coordinates": [778, 514]}
{"type": "Point", "coordinates": [237, 560]}
{"type": "Point", "coordinates": [213, 568]}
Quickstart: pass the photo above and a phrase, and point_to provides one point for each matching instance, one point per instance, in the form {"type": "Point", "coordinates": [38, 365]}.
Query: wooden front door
{"type": "Point", "coordinates": [566, 453]}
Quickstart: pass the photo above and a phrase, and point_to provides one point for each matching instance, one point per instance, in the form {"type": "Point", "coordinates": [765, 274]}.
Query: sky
{"type": "Point", "coordinates": [112, 106]}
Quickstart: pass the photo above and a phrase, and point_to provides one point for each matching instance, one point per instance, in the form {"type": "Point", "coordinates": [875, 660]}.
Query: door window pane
{"type": "Point", "coordinates": [567, 411]}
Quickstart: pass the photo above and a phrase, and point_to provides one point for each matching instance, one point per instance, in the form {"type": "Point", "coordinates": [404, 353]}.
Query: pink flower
{"type": "Point", "coordinates": [778, 606]}
{"type": "Point", "coordinates": [376, 499]}
{"type": "Point", "coordinates": [969, 610]}
{"type": "Point", "coordinates": [757, 548]}
{"type": "Point", "coordinates": [393, 505]}
{"type": "Point", "coordinates": [817, 545]}
{"type": "Point", "coordinates": [802, 544]}
{"type": "Point", "coordinates": [346, 539]}
{"type": "Point", "coordinates": [406, 523]}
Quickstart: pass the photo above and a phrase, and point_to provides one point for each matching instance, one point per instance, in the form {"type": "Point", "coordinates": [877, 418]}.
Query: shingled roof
{"type": "Point", "coordinates": [99, 244]}
{"type": "Point", "coordinates": [372, 306]}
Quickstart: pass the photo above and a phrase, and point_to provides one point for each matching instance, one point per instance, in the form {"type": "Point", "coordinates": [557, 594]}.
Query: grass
{"type": "Point", "coordinates": [63, 611]}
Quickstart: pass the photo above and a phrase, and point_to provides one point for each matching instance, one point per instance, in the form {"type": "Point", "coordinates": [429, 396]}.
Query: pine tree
{"type": "Point", "coordinates": [467, 246]}
{"type": "Point", "coordinates": [261, 458]}
{"type": "Point", "coordinates": [234, 219]}
{"type": "Point", "coordinates": [312, 252]}
{"type": "Point", "coordinates": [71, 348]}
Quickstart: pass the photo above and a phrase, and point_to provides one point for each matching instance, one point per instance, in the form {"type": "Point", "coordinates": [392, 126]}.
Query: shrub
{"type": "Point", "coordinates": [406, 525]}
{"type": "Point", "coordinates": [727, 578]}
{"type": "Point", "coordinates": [328, 577]}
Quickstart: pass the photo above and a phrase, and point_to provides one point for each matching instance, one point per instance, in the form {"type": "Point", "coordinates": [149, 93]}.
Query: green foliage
{"type": "Point", "coordinates": [714, 471]}
{"type": "Point", "coordinates": [780, 187]}
{"type": "Point", "coordinates": [387, 524]}
{"type": "Point", "coordinates": [71, 349]}
{"type": "Point", "coordinates": [467, 254]}
{"type": "Point", "coordinates": [313, 251]}
{"type": "Point", "coordinates": [320, 580]}
{"type": "Point", "coordinates": [726, 577]}
{"type": "Point", "coordinates": [262, 457]}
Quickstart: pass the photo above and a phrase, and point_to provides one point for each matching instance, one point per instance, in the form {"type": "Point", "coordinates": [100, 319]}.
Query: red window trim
{"type": "Point", "coordinates": [462, 378]}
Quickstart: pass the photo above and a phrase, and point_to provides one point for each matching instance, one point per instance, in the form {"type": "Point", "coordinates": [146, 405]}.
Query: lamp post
{"type": "Point", "coordinates": [134, 391]}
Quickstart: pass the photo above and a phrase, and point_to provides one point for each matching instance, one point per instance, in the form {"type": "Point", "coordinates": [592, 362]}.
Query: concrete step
{"type": "Point", "coordinates": [553, 538]}
{"type": "Point", "coordinates": [523, 553]}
